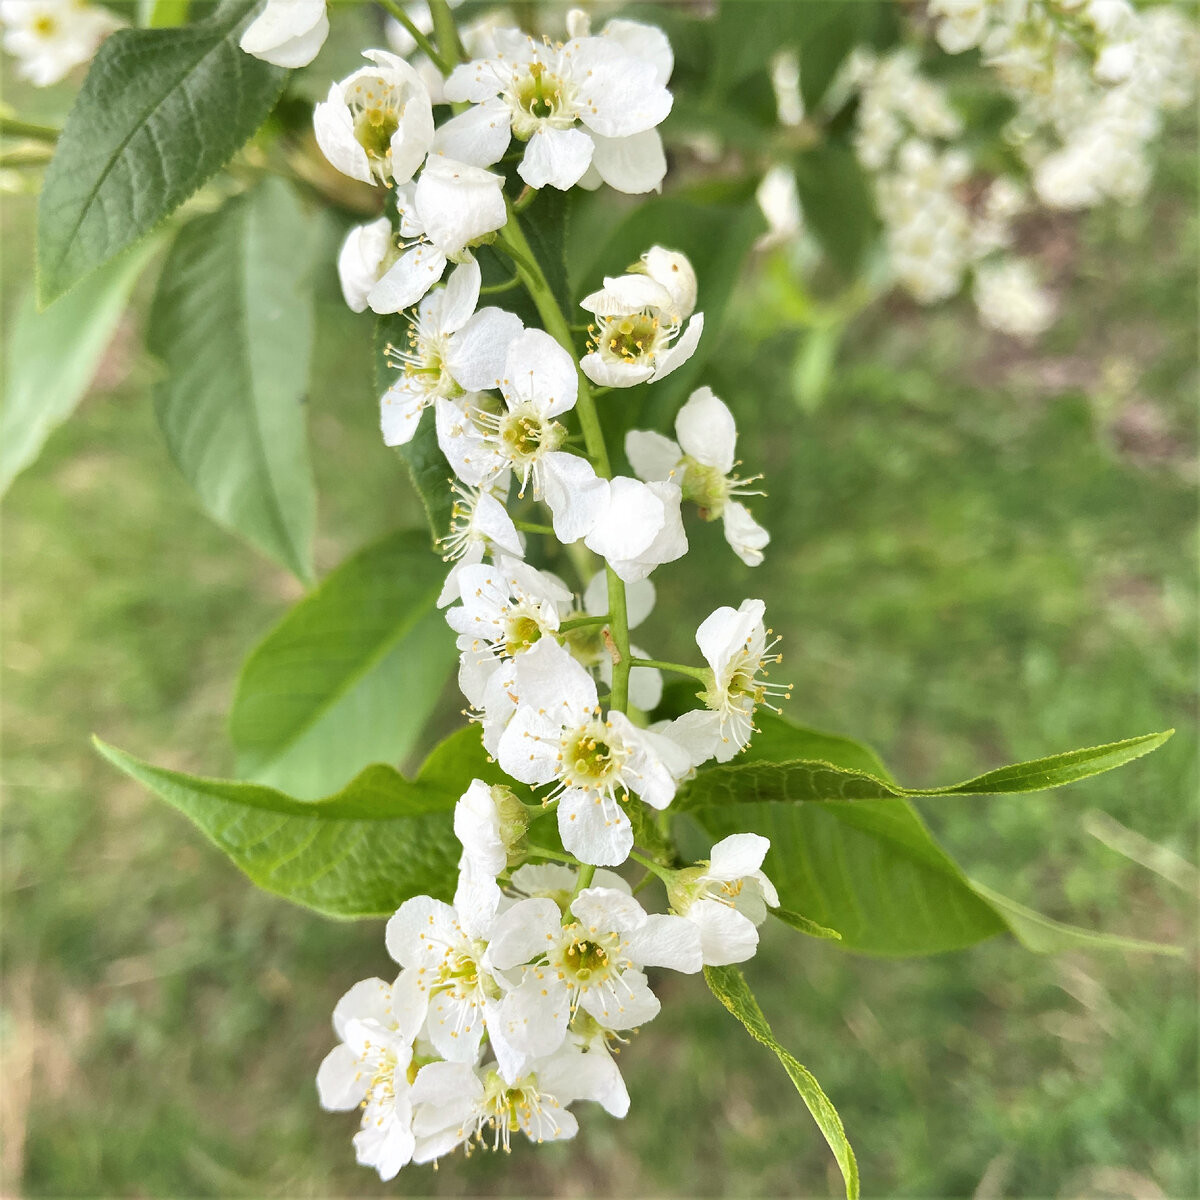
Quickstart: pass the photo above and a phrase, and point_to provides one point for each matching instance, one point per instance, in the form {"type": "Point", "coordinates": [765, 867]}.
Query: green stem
{"type": "Point", "coordinates": [417, 36]}
{"type": "Point", "coordinates": [11, 127]}
{"type": "Point", "coordinates": [700, 673]}
{"type": "Point", "coordinates": [544, 852]}
{"type": "Point", "coordinates": [446, 32]}
{"type": "Point", "coordinates": [664, 873]}
{"type": "Point", "coordinates": [582, 623]}
{"type": "Point", "coordinates": [492, 288]}
{"type": "Point", "coordinates": [531, 527]}
{"type": "Point", "coordinates": [586, 873]}
{"type": "Point", "coordinates": [512, 240]}
{"type": "Point", "coordinates": [525, 199]}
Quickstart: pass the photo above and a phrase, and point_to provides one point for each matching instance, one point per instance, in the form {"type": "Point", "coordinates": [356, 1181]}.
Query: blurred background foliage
{"type": "Point", "coordinates": [982, 552]}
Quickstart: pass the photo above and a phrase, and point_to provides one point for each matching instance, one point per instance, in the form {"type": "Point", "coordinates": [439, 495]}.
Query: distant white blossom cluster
{"type": "Point", "coordinates": [508, 1001]}
{"type": "Point", "coordinates": [50, 38]}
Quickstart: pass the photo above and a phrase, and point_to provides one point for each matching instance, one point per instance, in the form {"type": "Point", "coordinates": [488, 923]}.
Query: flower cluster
{"type": "Point", "coordinates": [508, 1001]}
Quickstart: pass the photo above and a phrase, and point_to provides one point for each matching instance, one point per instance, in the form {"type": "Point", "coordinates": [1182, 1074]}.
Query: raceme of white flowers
{"type": "Point", "coordinates": [510, 1003]}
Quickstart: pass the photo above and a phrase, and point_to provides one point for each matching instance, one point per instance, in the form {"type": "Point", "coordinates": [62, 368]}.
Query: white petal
{"type": "Point", "coordinates": [725, 630]}
{"type": "Point", "coordinates": [410, 928]}
{"type": "Point", "coordinates": [477, 352]}
{"type": "Point", "coordinates": [594, 831]}
{"type": "Point", "coordinates": [604, 372]}
{"type": "Point", "coordinates": [666, 941]}
{"type": "Point", "coordinates": [652, 455]}
{"type": "Point", "coordinates": [634, 164]}
{"type": "Point", "coordinates": [534, 1015]}
{"type": "Point", "coordinates": [676, 355]}
{"type": "Point", "coordinates": [625, 294]}
{"type": "Point", "coordinates": [706, 430]}
{"type": "Point", "coordinates": [457, 203]}
{"type": "Point", "coordinates": [646, 42]}
{"type": "Point", "coordinates": [367, 1000]}
{"type": "Point", "coordinates": [609, 909]}
{"type": "Point", "coordinates": [407, 280]}
{"type": "Point", "coordinates": [287, 33]}
{"type": "Point", "coordinates": [333, 126]}
{"type": "Point", "coordinates": [737, 855]}
{"type": "Point", "coordinates": [725, 935]}
{"type": "Point", "coordinates": [645, 685]}
{"type": "Point", "coordinates": [556, 158]}
{"type": "Point", "coordinates": [473, 81]}
{"type": "Point", "coordinates": [360, 259]}
{"type": "Point", "coordinates": [458, 301]}
{"type": "Point", "coordinates": [674, 271]}
{"type": "Point", "coordinates": [455, 1025]}
{"type": "Point", "coordinates": [698, 732]}
{"type": "Point", "coordinates": [629, 524]}
{"type": "Point", "coordinates": [470, 457]}
{"type": "Point", "coordinates": [521, 932]}
{"type": "Point", "coordinates": [743, 533]}
{"type": "Point", "coordinates": [341, 1083]}
{"type": "Point", "coordinates": [479, 136]}
{"type": "Point", "coordinates": [631, 1004]}
{"type": "Point", "coordinates": [548, 677]}
{"type": "Point", "coordinates": [494, 523]}
{"type": "Point", "coordinates": [442, 1085]}
{"type": "Point", "coordinates": [477, 827]}
{"type": "Point", "coordinates": [575, 494]}
{"type": "Point", "coordinates": [400, 413]}
{"type": "Point", "coordinates": [620, 93]}
{"type": "Point", "coordinates": [538, 370]}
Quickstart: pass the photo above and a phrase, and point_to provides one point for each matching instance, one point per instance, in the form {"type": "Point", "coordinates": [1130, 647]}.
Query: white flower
{"type": "Point", "coordinates": [489, 685]}
{"type": "Point", "coordinates": [450, 207]}
{"type": "Point", "coordinates": [507, 608]}
{"type": "Point", "coordinates": [779, 200]}
{"type": "Point", "coordinates": [594, 963]}
{"type": "Point", "coordinates": [588, 103]}
{"type": "Point", "coordinates": [539, 384]}
{"type": "Point", "coordinates": [479, 524]}
{"type": "Point", "coordinates": [50, 38]}
{"type": "Point", "coordinates": [288, 33]}
{"type": "Point", "coordinates": [376, 125]}
{"type": "Point", "coordinates": [587, 643]}
{"type": "Point", "coordinates": [376, 1023]}
{"type": "Point", "coordinates": [553, 881]}
{"type": "Point", "coordinates": [638, 318]}
{"type": "Point", "coordinates": [456, 1102]}
{"type": "Point", "coordinates": [1010, 299]}
{"type": "Point", "coordinates": [558, 735]}
{"type": "Point", "coordinates": [365, 255]}
{"type": "Point", "coordinates": [453, 956]}
{"type": "Point", "coordinates": [702, 463]}
{"type": "Point", "coordinates": [734, 642]}
{"type": "Point", "coordinates": [637, 527]}
{"type": "Point", "coordinates": [489, 822]}
{"type": "Point", "coordinates": [727, 898]}
{"type": "Point", "coordinates": [962, 24]}
{"type": "Point", "coordinates": [451, 350]}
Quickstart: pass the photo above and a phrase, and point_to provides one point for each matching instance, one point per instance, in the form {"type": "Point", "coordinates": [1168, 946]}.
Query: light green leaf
{"type": "Point", "coordinates": [1046, 936]}
{"type": "Point", "coordinates": [804, 925]}
{"type": "Point", "coordinates": [232, 321]}
{"type": "Point", "coordinates": [53, 355]}
{"type": "Point", "coordinates": [754, 782]}
{"type": "Point", "coordinates": [359, 853]}
{"type": "Point", "coordinates": [160, 112]}
{"type": "Point", "coordinates": [729, 986]}
{"type": "Point", "coordinates": [427, 466]}
{"type": "Point", "coordinates": [351, 673]}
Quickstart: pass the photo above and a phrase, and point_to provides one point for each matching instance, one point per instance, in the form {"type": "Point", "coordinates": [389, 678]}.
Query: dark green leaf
{"type": "Point", "coordinates": [427, 465]}
{"type": "Point", "coordinates": [232, 321]}
{"type": "Point", "coordinates": [53, 355]}
{"type": "Point", "coordinates": [729, 986]}
{"type": "Point", "coordinates": [350, 675]}
{"type": "Point", "coordinates": [359, 853]}
{"type": "Point", "coordinates": [161, 110]}
{"type": "Point", "coordinates": [835, 196]}
{"type": "Point", "coordinates": [545, 227]}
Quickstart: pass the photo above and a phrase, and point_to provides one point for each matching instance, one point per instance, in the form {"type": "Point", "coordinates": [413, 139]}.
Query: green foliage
{"type": "Point", "coordinates": [350, 675]}
{"type": "Point", "coordinates": [835, 197]}
{"type": "Point", "coordinates": [729, 986]}
{"type": "Point", "coordinates": [232, 322]}
{"type": "Point", "coordinates": [358, 853]}
{"type": "Point", "coordinates": [427, 466]}
{"type": "Point", "coordinates": [160, 112]}
{"type": "Point", "coordinates": [53, 355]}
{"type": "Point", "coordinates": [804, 925]}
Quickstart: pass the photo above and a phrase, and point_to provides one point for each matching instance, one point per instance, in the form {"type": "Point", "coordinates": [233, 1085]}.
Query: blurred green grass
{"type": "Point", "coordinates": [981, 553]}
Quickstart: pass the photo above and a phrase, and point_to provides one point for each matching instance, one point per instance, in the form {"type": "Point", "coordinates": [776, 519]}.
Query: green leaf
{"type": "Point", "coordinates": [729, 986]}
{"type": "Point", "coordinates": [870, 869]}
{"type": "Point", "coordinates": [754, 781]}
{"type": "Point", "coordinates": [545, 228]}
{"type": "Point", "coordinates": [796, 921]}
{"type": "Point", "coordinates": [358, 853]}
{"type": "Point", "coordinates": [427, 466]}
{"type": "Point", "coordinates": [1044, 935]}
{"type": "Point", "coordinates": [351, 673]}
{"type": "Point", "coordinates": [232, 320]}
{"type": "Point", "coordinates": [838, 207]}
{"type": "Point", "coordinates": [53, 355]}
{"type": "Point", "coordinates": [160, 112]}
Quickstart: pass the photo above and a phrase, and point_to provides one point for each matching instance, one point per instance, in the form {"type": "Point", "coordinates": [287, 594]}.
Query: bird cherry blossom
{"type": "Point", "coordinates": [586, 103]}
{"type": "Point", "coordinates": [702, 462]}
{"type": "Point", "coordinates": [734, 643]}
{"type": "Point", "coordinates": [479, 525]}
{"type": "Point", "coordinates": [50, 38]}
{"type": "Point", "coordinates": [451, 349]}
{"type": "Point", "coordinates": [288, 33]}
{"type": "Point", "coordinates": [559, 735]}
{"type": "Point", "coordinates": [376, 125]}
{"type": "Point", "coordinates": [635, 336]}
{"type": "Point", "coordinates": [727, 898]}
{"type": "Point", "coordinates": [490, 822]}
{"type": "Point", "coordinates": [636, 526]}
